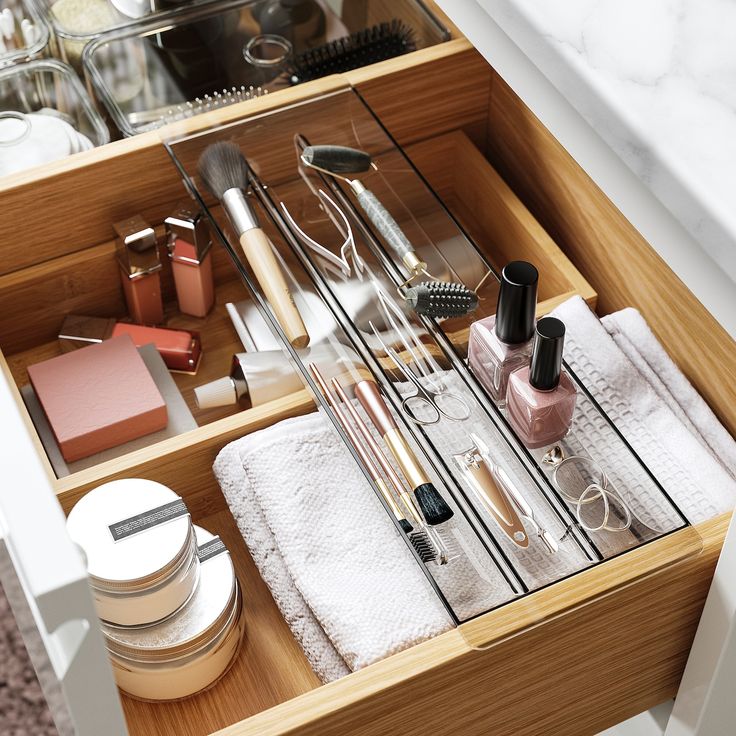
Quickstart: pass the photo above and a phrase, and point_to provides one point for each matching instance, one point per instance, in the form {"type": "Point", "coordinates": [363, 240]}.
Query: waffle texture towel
{"type": "Point", "coordinates": [654, 406]}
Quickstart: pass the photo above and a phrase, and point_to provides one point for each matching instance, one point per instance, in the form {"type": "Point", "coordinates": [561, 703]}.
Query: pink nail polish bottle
{"type": "Point", "coordinates": [140, 270]}
{"type": "Point", "coordinates": [501, 343]}
{"type": "Point", "coordinates": [189, 243]}
{"type": "Point", "coordinates": [540, 399]}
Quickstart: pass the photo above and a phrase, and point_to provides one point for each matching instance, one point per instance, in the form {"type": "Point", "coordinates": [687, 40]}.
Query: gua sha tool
{"type": "Point", "coordinates": [437, 299]}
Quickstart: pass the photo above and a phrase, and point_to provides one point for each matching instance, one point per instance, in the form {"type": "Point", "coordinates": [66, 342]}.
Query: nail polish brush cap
{"type": "Point", "coordinates": [546, 362]}
{"type": "Point", "coordinates": [517, 303]}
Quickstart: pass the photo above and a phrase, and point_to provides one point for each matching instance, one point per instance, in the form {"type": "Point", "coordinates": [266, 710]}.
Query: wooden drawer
{"type": "Point", "coordinates": [571, 659]}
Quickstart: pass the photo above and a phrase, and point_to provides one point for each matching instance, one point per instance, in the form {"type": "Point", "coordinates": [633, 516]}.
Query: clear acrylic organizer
{"type": "Point", "coordinates": [352, 301]}
{"type": "Point", "coordinates": [45, 91]}
{"type": "Point", "coordinates": [201, 58]}
{"type": "Point", "coordinates": [24, 35]}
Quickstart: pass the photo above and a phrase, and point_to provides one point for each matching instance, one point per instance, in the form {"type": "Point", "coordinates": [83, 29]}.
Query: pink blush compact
{"type": "Point", "coordinates": [98, 397]}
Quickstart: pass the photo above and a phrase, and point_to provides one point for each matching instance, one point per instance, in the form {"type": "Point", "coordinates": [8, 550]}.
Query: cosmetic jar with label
{"type": "Point", "coordinates": [191, 650]}
{"type": "Point", "coordinates": [140, 549]}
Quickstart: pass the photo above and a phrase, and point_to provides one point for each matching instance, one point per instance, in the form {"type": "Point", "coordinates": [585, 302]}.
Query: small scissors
{"type": "Point", "coordinates": [455, 407]}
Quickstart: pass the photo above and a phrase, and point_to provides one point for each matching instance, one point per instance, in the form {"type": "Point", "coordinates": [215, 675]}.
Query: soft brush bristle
{"type": "Point", "coordinates": [221, 167]}
{"type": "Point", "coordinates": [434, 508]}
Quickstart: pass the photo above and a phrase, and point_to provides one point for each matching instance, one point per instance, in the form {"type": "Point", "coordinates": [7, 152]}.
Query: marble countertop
{"type": "Point", "coordinates": [657, 81]}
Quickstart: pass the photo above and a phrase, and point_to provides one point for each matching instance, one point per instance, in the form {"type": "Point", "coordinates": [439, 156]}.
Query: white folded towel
{"type": "Point", "coordinates": [633, 335]}
{"type": "Point", "coordinates": [345, 581]}
{"type": "Point", "coordinates": [653, 406]}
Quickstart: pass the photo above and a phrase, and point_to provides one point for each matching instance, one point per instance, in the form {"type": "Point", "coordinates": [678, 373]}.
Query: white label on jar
{"type": "Point", "coordinates": [147, 519]}
{"type": "Point", "coordinates": [209, 549]}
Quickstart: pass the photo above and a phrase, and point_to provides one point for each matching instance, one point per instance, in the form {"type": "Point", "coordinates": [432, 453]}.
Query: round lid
{"type": "Point", "coordinates": [196, 625]}
{"type": "Point", "coordinates": [517, 303]}
{"type": "Point", "coordinates": [139, 556]}
{"type": "Point", "coordinates": [546, 362]}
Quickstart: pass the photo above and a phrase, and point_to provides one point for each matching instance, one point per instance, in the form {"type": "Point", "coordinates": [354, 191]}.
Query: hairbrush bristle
{"type": "Point", "coordinates": [377, 43]}
{"type": "Point", "coordinates": [441, 299]}
{"type": "Point", "coordinates": [434, 508]}
{"type": "Point", "coordinates": [406, 527]}
{"type": "Point", "coordinates": [423, 545]}
{"type": "Point", "coordinates": [221, 167]}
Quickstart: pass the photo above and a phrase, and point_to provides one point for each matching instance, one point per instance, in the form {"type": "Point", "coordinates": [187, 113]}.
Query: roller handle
{"type": "Point", "coordinates": [259, 254]}
{"type": "Point", "coordinates": [386, 225]}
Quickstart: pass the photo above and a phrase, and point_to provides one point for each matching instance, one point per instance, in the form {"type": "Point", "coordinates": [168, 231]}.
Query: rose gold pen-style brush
{"type": "Point", "coordinates": [418, 538]}
{"type": "Point", "coordinates": [435, 539]}
{"type": "Point", "coordinates": [435, 509]}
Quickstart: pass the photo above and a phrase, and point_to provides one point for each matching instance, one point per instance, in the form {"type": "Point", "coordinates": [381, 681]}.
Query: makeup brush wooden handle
{"type": "Point", "coordinates": [257, 249]}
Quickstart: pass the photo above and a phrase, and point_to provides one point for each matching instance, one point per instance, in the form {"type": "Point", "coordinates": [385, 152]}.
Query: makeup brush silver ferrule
{"type": "Point", "coordinates": [239, 211]}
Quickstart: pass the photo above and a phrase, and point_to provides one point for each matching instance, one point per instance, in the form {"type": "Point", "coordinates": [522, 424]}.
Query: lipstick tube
{"type": "Point", "coordinates": [181, 350]}
{"type": "Point", "coordinates": [140, 268]}
{"type": "Point", "coordinates": [189, 242]}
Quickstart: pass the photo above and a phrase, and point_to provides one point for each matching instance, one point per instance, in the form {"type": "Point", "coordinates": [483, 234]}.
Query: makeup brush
{"type": "Point", "coordinates": [224, 171]}
{"type": "Point", "coordinates": [434, 508]}
{"type": "Point", "coordinates": [418, 539]}
{"type": "Point", "coordinates": [432, 298]}
{"type": "Point", "coordinates": [383, 461]}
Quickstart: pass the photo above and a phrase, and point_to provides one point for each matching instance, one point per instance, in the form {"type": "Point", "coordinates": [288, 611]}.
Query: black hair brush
{"type": "Point", "coordinates": [368, 46]}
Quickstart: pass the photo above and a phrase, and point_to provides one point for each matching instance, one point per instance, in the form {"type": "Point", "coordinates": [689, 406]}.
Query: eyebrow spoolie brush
{"type": "Point", "coordinates": [434, 508]}
{"type": "Point", "coordinates": [224, 171]}
{"type": "Point", "coordinates": [418, 538]}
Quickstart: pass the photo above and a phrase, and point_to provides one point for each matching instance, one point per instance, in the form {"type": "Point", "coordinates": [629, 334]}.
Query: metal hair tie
{"type": "Point", "coordinates": [584, 485]}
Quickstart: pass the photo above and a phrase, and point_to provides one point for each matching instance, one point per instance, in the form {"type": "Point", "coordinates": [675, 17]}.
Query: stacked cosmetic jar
{"type": "Point", "coordinates": [165, 590]}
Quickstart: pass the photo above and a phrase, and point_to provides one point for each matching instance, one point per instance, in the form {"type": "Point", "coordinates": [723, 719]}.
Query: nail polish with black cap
{"type": "Point", "coordinates": [501, 343]}
{"type": "Point", "coordinates": [540, 398]}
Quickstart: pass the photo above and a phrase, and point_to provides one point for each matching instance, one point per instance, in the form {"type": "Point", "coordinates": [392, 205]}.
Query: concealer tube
{"type": "Point", "coordinates": [189, 244]}
{"type": "Point", "coordinates": [140, 270]}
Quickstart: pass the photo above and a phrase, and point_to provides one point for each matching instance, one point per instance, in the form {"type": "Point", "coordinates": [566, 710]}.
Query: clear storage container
{"type": "Point", "coordinates": [45, 114]}
{"type": "Point", "coordinates": [23, 33]}
{"type": "Point", "coordinates": [194, 60]}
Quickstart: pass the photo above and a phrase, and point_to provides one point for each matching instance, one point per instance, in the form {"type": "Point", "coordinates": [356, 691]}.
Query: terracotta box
{"type": "Point", "coordinates": [98, 397]}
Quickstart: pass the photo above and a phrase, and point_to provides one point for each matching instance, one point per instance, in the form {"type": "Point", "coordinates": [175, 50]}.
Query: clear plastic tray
{"type": "Point", "coordinates": [29, 37]}
{"type": "Point", "coordinates": [174, 66]}
{"type": "Point", "coordinates": [51, 88]}
{"type": "Point", "coordinates": [353, 300]}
